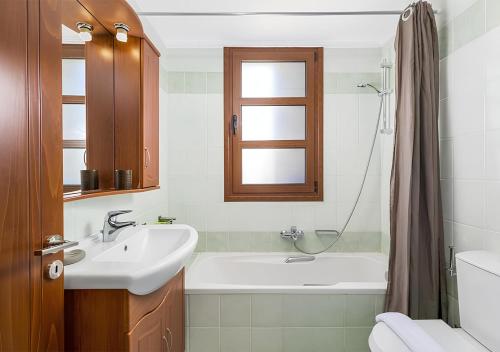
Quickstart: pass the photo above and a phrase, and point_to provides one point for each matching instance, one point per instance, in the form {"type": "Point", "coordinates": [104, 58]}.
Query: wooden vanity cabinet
{"type": "Point", "coordinates": [116, 320]}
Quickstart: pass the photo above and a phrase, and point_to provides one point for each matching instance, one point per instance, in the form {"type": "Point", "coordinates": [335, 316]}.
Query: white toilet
{"type": "Point", "coordinates": [479, 301]}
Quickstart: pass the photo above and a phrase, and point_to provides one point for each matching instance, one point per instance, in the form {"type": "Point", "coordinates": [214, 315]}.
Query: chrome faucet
{"type": "Point", "coordinates": [300, 258]}
{"type": "Point", "coordinates": [112, 227]}
{"type": "Point", "coordinates": [294, 234]}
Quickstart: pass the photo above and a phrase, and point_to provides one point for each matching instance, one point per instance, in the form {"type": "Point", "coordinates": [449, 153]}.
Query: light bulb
{"type": "Point", "coordinates": [85, 31]}
{"type": "Point", "coordinates": [121, 32]}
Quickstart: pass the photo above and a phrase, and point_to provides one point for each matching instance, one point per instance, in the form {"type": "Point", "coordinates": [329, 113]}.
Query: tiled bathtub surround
{"type": "Point", "coordinates": [470, 129]}
{"type": "Point", "coordinates": [279, 323]}
{"type": "Point", "coordinates": [272, 242]}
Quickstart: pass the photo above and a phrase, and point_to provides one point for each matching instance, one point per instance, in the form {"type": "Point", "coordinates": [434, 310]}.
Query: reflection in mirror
{"type": "Point", "coordinates": [74, 109]}
{"type": "Point", "coordinates": [87, 97]}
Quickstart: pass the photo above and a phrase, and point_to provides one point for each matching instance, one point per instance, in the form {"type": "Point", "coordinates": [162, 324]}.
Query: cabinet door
{"type": "Point", "coordinates": [148, 335]}
{"type": "Point", "coordinates": [174, 316]}
{"type": "Point", "coordinates": [150, 112]}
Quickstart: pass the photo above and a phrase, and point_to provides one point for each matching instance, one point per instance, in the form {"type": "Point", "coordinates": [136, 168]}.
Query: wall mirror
{"type": "Point", "coordinates": [87, 98]}
{"type": "Point", "coordinates": [109, 98]}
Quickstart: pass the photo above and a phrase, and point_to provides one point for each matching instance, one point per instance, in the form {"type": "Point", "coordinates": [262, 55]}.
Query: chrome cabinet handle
{"type": "Point", "coordinates": [148, 157]}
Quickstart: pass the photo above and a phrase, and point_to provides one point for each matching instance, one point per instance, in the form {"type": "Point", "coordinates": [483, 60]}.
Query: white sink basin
{"type": "Point", "coordinates": [141, 259]}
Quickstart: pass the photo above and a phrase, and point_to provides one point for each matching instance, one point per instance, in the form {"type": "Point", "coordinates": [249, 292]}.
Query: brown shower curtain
{"type": "Point", "coordinates": [417, 283]}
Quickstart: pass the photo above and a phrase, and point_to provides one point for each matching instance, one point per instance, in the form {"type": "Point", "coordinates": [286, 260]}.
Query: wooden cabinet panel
{"type": "Point", "coordinates": [137, 111]}
{"type": "Point", "coordinates": [100, 107]}
{"type": "Point", "coordinates": [150, 115]}
{"type": "Point", "coordinates": [127, 65]}
{"type": "Point", "coordinates": [149, 335]}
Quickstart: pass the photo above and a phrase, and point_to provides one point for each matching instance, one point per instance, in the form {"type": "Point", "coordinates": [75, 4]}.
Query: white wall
{"type": "Point", "coordinates": [195, 148]}
{"type": "Point", "coordinates": [470, 129]}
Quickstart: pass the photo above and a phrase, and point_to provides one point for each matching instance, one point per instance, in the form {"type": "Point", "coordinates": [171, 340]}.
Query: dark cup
{"type": "Point", "coordinates": [89, 180]}
{"type": "Point", "coordinates": [123, 179]}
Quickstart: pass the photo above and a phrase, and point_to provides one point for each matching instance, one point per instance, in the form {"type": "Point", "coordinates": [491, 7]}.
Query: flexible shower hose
{"type": "Point", "coordinates": [340, 232]}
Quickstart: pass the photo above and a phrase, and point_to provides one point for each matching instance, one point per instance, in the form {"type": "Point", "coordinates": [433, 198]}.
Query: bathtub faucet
{"type": "Point", "coordinates": [301, 258]}
{"type": "Point", "coordinates": [294, 234]}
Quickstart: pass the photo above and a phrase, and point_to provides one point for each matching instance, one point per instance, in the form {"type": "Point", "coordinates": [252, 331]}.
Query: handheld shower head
{"type": "Point", "coordinates": [364, 85]}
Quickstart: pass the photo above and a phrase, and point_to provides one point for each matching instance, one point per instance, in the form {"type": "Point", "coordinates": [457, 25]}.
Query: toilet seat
{"type": "Point", "coordinates": [383, 339]}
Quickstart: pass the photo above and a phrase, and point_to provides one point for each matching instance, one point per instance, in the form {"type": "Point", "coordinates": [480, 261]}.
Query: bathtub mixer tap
{"type": "Point", "coordinates": [294, 234]}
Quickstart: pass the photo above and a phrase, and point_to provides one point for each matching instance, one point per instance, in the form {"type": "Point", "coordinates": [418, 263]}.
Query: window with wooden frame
{"type": "Point", "coordinates": [73, 115]}
{"type": "Point", "coordinates": [273, 124]}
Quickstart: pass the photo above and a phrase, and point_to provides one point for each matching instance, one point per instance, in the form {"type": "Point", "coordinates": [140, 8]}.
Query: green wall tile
{"type": "Point", "coordinates": [492, 14]}
{"type": "Point", "coordinates": [379, 304]}
{"type": "Point", "coordinates": [235, 310]}
{"type": "Point", "coordinates": [235, 339]}
{"type": "Point", "coordinates": [175, 82]}
{"type": "Point", "coordinates": [204, 340]}
{"type": "Point", "coordinates": [361, 310]}
{"type": "Point", "coordinates": [313, 339]}
{"type": "Point", "coordinates": [204, 310]}
{"type": "Point", "coordinates": [267, 310]}
{"type": "Point", "coordinates": [216, 242]}
{"type": "Point", "coordinates": [239, 241]}
{"type": "Point", "coordinates": [313, 310]}
{"type": "Point", "coordinates": [469, 25]}
{"type": "Point", "coordinates": [163, 79]}
{"type": "Point", "coordinates": [356, 339]}
{"type": "Point", "coordinates": [267, 340]}
{"type": "Point", "coordinates": [261, 241]}
{"type": "Point", "coordinates": [215, 82]}
{"type": "Point", "coordinates": [201, 246]}
{"type": "Point", "coordinates": [196, 82]}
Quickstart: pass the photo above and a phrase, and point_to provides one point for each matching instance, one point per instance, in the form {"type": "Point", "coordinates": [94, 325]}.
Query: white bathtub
{"type": "Point", "coordinates": [329, 273]}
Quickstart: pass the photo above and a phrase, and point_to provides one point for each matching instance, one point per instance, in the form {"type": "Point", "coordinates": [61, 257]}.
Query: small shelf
{"type": "Point", "coordinates": [78, 195]}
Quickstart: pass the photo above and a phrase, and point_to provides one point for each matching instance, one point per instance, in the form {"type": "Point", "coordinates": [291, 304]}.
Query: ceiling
{"type": "Point", "coordinates": [327, 31]}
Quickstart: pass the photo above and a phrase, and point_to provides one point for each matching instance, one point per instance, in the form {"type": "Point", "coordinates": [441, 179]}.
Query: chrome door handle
{"type": "Point", "coordinates": [55, 244]}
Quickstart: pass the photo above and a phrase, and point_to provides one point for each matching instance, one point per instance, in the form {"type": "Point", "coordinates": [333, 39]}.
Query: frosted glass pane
{"type": "Point", "coordinates": [74, 121]}
{"type": "Point", "coordinates": [273, 166]}
{"type": "Point", "coordinates": [72, 164]}
{"type": "Point", "coordinates": [273, 79]}
{"type": "Point", "coordinates": [261, 123]}
{"type": "Point", "coordinates": [73, 77]}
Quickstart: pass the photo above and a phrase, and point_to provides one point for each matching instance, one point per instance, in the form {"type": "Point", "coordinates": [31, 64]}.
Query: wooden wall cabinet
{"type": "Point", "coordinates": [137, 110]}
{"type": "Point", "coordinates": [116, 320]}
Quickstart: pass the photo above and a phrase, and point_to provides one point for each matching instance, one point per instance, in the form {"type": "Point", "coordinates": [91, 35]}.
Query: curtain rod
{"type": "Point", "coordinates": [278, 13]}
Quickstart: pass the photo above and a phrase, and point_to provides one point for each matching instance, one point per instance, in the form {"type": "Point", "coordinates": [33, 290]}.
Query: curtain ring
{"type": "Point", "coordinates": [407, 13]}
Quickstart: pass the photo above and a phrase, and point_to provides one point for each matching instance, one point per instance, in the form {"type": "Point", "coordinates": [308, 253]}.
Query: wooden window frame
{"type": "Point", "coordinates": [312, 189]}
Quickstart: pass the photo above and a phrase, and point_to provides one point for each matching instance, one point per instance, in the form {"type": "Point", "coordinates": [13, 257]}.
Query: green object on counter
{"type": "Point", "coordinates": [165, 220]}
